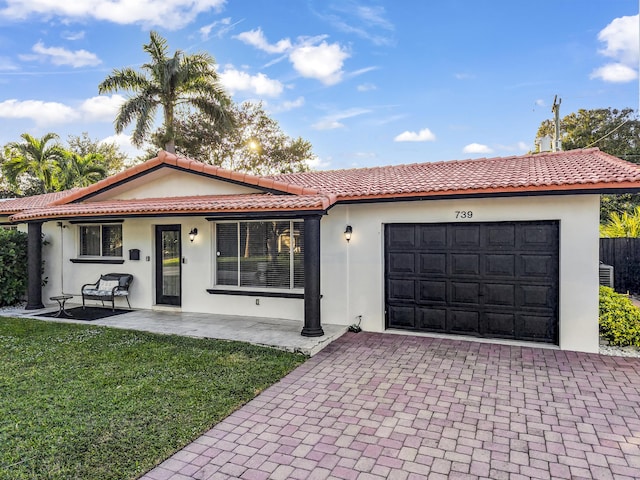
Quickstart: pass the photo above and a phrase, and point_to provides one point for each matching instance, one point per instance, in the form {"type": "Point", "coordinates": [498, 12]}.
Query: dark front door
{"type": "Point", "coordinates": [497, 280]}
{"type": "Point", "coordinates": [168, 266]}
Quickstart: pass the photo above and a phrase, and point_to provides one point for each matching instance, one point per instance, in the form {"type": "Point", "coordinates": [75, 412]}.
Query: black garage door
{"type": "Point", "coordinates": [496, 280]}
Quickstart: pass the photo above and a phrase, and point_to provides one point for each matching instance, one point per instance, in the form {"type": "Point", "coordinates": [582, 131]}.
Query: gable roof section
{"type": "Point", "coordinates": [580, 170]}
{"type": "Point", "coordinates": [196, 205]}
{"type": "Point", "coordinates": [165, 159]}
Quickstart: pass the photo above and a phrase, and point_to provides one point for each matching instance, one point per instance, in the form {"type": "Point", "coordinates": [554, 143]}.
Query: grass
{"type": "Point", "coordinates": [86, 402]}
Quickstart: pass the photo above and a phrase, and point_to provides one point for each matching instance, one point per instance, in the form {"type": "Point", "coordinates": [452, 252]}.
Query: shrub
{"type": "Point", "coordinates": [619, 319]}
{"type": "Point", "coordinates": [13, 266]}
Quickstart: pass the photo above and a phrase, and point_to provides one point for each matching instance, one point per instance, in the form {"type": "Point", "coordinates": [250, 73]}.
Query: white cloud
{"type": "Point", "coordinates": [62, 56]}
{"type": "Point", "coordinates": [323, 62]}
{"type": "Point", "coordinates": [464, 76]}
{"type": "Point", "coordinates": [332, 122]}
{"type": "Point", "coordinates": [42, 113]}
{"type": "Point", "coordinates": [238, 81]}
{"type": "Point", "coordinates": [256, 39]}
{"type": "Point", "coordinates": [622, 43]}
{"type": "Point", "coordinates": [6, 64]}
{"type": "Point", "coordinates": [424, 135]}
{"type": "Point", "coordinates": [540, 103]}
{"type": "Point", "coordinates": [366, 87]}
{"type": "Point", "coordinates": [170, 14]}
{"type": "Point", "coordinates": [72, 36]}
{"type": "Point", "coordinates": [317, 163]}
{"type": "Point", "coordinates": [288, 105]}
{"type": "Point", "coordinates": [123, 141]}
{"type": "Point", "coordinates": [615, 73]}
{"type": "Point", "coordinates": [103, 108]}
{"type": "Point", "coordinates": [476, 148]}
{"type": "Point", "coordinates": [222, 27]}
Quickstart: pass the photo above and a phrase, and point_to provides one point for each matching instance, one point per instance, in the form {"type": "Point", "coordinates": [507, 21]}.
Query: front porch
{"type": "Point", "coordinates": [271, 332]}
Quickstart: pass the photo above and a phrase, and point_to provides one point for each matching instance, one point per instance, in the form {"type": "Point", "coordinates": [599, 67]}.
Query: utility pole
{"type": "Point", "coordinates": [555, 147]}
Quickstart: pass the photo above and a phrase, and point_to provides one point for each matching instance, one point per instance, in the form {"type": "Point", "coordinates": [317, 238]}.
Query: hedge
{"type": "Point", "coordinates": [619, 319]}
{"type": "Point", "coordinates": [13, 266]}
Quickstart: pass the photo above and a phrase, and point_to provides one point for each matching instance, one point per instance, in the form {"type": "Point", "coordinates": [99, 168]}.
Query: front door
{"type": "Point", "coordinates": [168, 267]}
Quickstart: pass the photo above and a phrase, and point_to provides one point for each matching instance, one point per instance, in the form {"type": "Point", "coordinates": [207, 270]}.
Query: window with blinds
{"type": "Point", "coordinates": [101, 240]}
{"type": "Point", "coordinates": [263, 254]}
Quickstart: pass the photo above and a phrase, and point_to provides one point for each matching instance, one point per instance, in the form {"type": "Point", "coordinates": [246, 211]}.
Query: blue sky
{"type": "Point", "coordinates": [368, 82]}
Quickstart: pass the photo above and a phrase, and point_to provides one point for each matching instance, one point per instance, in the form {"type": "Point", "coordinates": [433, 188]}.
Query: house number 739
{"type": "Point", "coordinates": [464, 214]}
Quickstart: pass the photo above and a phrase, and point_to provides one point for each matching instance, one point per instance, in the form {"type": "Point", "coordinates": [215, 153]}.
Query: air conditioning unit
{"type": "Point", "coordinates": [606, 275]}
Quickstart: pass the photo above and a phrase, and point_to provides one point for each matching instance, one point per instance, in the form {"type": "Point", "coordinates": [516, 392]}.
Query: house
{"type": "Point", "coordinates": [498, 248]}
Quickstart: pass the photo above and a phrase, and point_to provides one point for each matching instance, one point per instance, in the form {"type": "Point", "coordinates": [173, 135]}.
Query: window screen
{"type": "Point", "coordinates": [265, 254]}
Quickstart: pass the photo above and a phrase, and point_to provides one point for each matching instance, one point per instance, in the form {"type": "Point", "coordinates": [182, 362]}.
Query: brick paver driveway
{"type": "Point", "coordinates": [374, 406]}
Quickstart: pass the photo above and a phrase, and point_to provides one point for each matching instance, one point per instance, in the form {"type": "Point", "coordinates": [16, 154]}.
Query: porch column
{"type": "Point", "coordinates": [34, 265]}
{"type": "Point", "coordinates": [312, 326]}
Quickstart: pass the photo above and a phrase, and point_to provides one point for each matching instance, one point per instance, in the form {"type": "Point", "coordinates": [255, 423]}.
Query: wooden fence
{"type": "Point", "coordinates": [624, 255]}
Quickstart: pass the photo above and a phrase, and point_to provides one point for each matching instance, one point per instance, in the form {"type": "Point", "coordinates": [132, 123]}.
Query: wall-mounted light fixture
{"type": "Point", "coordinates": [193, 233]}
{"type": "Point", "coordinates": [347, 233]}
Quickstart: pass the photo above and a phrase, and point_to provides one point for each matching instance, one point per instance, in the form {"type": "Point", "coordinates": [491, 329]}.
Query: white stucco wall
{"type": "Point", "coordinates": [172, 183]}
{"type": "Point", "coordinates": [353, 274]}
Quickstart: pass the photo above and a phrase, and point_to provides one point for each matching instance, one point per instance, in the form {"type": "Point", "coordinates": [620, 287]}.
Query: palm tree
{"type": "Point", "coordinates": [80, 170]}
{"type": "Point", "coordinates": [33, 157]}
{"type": "Point", "coordinates": [168, 82]}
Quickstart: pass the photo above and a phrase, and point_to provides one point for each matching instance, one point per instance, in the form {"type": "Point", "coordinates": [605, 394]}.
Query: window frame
{"type": "Point", "coordinates": [101, 255]}
{"type": "Point", "coordinates": [292, 291]}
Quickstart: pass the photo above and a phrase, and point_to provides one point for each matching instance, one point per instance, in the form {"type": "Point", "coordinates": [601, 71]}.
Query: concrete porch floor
{"type": "Point", "coordinates": [271, 332]}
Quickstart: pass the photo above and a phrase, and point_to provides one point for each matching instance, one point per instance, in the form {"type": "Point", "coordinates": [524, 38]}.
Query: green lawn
{"type": "Point", "coordinates": [86, 402]}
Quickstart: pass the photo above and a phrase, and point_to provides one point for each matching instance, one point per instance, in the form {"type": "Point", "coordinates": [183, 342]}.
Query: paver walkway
{"type": "Point", "coordinates": [373, 406]}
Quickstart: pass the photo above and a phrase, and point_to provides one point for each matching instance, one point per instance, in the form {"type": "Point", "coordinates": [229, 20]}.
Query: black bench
{"type": "Point", "coordinates": [108, 287]}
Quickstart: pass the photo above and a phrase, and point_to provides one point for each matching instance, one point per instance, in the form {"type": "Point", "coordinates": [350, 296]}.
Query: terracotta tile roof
{"type": "Point", "coordinates": [203, 205]}
{"type": "Point", "coordinates": [14, 205]}
{"type": "Point", "coordinates": [165, 158]}
{"type": "Point", "coordinates": [576, 170]}
{"type": "Point", "coordinates": [588, 169]}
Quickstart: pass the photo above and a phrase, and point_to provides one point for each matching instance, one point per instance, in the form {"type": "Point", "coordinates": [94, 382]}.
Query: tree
{"type": "Point", "coordinates": [616, 132]}
{"type": "Point", "coordinates": [255, 143]}
{"type": "Point", "coordinates": [167, 82]}
{"type": "Point", "coordinates": [75, 170]}
{"type": "Point", "coordinates": [624, 225]}
{"type": "Point", "coordinates": [30, 166]}
{"type": "Point", "coordinates": [113, 160]}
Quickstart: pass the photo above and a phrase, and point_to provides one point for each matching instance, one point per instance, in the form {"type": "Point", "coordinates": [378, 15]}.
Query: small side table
{"type": "Point", "coordinates": [62, 299]}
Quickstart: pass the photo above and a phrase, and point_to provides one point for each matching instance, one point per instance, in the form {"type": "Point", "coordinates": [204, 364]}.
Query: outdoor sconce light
{"type": "Point", "coordinates": [193, 233]}
{"type": "Point", "coordinates": [347, 233]}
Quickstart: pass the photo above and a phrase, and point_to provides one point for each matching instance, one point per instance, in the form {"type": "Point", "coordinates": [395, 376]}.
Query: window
{"type": "Point", "coordinates": [264, 254]}
{"type": "Point", "coordinates": [101, 240]}
{"type": "Point", "coordinates": [10, 227]}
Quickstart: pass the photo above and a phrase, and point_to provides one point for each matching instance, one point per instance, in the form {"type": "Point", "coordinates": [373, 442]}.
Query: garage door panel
{"type": "Point", "coordinates": [401, 289]}
{"type": "Point", "coordinates": [535, 327]}
{"type": "Point", "coordinates": [537, 265]}
{"type": "Point", "coordinates": [485, 279]}
{"type": "Point", "coordinates": [465, 264]}
{"type": "Point", "coordinates": [401, 316]}
{"type": "Point", "coordinates": [465, 292]}
{"type": "Point", "coordinates": [401, 262]}
{"type": "Point", "coordinates": [499, 237]}
{"type": "Point", "coordinates": [433, 263]}
{"type": "Point", "coordinates": [402, 237]}
{"type": "Point", "coordinates": [537, 296]}
{"type": "Point", "coordinates": [431, 236]}
{"type": "Point", "coordinates": [432, 319]}
{"type": "Point", "coordinates": [432, 291]}
{"type": "Point", "coordinates": [500, 265]}
{"type": "Point", "coordinates": [538, 237]}
{"type": "Point", "coordinates": [501, 325]}
{"type": "Point", "coordinates": [464, 235]}
{"type": "Point", "coordinates": [500, 295]}
{"type": "Point", "coordinates": [463, 321]}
